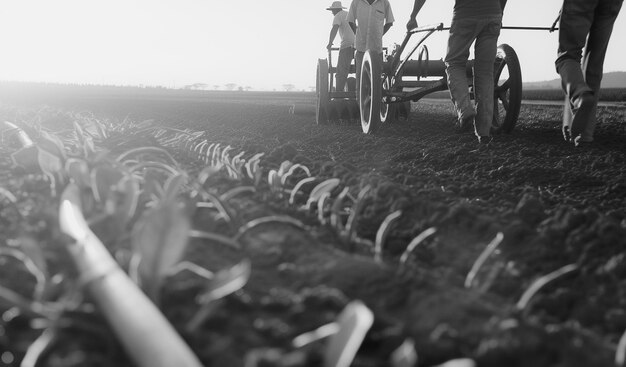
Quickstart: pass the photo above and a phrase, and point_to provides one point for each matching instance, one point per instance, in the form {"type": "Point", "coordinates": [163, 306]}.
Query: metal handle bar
{"type": "Point", "coordinates": [428, 28]}
{"type": "Point", "coordinates": [530, 28]}
{"type": "Point", "coordinates": [440, 27]}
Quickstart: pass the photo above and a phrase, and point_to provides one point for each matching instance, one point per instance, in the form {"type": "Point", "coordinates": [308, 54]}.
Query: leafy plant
{"type": "Point", "coordinates": [382, 233]}
{"type": "Point", "coordinates": [414, 243]}
{"type": "Point", "coordinates": [353, 324]}
{"type": "Point", "coordinates": [159, 240]}
{"type": "Point", "coordinates": [144, 332]}
{"type": "Point", "coordinates": [223, 283]}
{"type": "Point", "coordinates": [541, 282]}
{"type": "Point", "coordinates": [491, 247]}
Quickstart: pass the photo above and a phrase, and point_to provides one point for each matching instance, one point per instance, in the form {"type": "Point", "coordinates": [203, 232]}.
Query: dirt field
{"type": "Point", "coordinates": [556, 205]}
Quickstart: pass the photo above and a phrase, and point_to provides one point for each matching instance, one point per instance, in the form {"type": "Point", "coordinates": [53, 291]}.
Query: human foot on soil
{"type": "Point", "coordinates": [583, 107]}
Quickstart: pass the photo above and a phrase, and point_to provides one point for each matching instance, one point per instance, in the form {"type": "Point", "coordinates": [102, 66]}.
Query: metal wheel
{"type": "Point", "coordinates": [322, 92]}
{"type": "Point", "coordinates": [507, 90]}
{"type": "Point", "coordinates": [385, 108]}
{"type": "Point", "coordinates": [370, 92]}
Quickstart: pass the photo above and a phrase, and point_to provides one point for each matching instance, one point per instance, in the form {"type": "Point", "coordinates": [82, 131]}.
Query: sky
{"type": "Point", "coordinates": [262, 45]}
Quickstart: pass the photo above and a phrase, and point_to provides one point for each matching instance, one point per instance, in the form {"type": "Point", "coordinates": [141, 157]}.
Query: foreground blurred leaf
{"type": "Point", "coordinates": [146, 334]}
{"type": "Point", "coordinates": [159, 240]}
{"type": "Point", "coordinates": [405, 355]}
{"type": "Point", "coordinates": [103, 178]}
{"type": "Point", "coordinates": [52, 144]}
{"type": "Point", "coordinates": [223, 283]}
{"type": "Point", "coordinates": [78, 171]}
{"type": "Point", "coordinates": [354, 322]}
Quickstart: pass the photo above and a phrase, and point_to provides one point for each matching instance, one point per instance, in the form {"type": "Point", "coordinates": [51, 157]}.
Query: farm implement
{"type": "Point", "coordinates": [390, 83]}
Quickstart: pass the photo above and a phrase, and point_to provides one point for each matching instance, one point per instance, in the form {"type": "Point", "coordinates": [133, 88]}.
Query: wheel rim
{"type": "Point", "coordinates": [370, 90]}
{"type": "Point", "coordinates": [322, 93]}
{"type": "Point", "coordinates": [507, 89]}
{"type": "Point", "coordinates": [384, 107]}
{"type": "Point", "coordinates": [366, 96]}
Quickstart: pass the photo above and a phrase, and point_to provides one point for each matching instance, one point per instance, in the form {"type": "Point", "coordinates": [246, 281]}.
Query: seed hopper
{"type": "Point", "coordinates": [390, 83]}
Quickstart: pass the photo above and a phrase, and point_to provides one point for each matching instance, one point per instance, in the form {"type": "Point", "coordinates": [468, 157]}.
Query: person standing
{"type": "Point", "coordinates": [370, 20]}
{"type": "Point", "coordinates": [584, 25]}
{"type": "Point", "coordinates": [346, 48]}
{"type": "Point", "coordinates": [479, 21]}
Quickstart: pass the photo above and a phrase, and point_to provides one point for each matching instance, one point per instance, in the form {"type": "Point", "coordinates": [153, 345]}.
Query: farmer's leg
{"type": "Point", "coordinates": [595, 52]}
{"type": "Point", "coordinates": [576, 20]}
{"type": "Point", "coordinates": [485, 50]}
{"type": "Point", "coordinates": [462, 35]}
{"type": "Point", "coordinates": [343, 66]}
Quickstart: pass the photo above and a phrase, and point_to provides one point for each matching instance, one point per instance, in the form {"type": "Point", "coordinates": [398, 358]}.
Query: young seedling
{"type": "Point", "coordinates": [350, 231]}
{"type": "Point", "coordinates": [236, 191]}
{"type": "Point", "coordinates": [325, 186]}
{"type": "Point", "coordinates": [320, 333]}
{"type": "Point", "coordinates": [216, 237]}
{"type": "Point", "coordinates": [37, 350]}
{"type": "Point", "coordinates": [321, 205]}
{"type": "Point", "coordinates": [252, 165]}
{"type": "Point", "coordinates": [540, 283]}
{"type": "Point", "coordinates": [269, 219]}
{"type": "Point", "coordinates": [291, 170]}
{"type": "Point", "coordinates": [29, 308]}
{"type": "Point", "coordinates": [40, 276]}
{"type": "Point", "coordinates": [78, 171]}
{"type": "Point", "coordinates": [151, 152]}
{"type": "Point", "coordinates": [225, 282]}
{"type": "Point", "coordinates": [491, 247]}
{"type": "Point", "coordinates": [297, 187]}
{"type": "Point", "coordinates": [337, 209]}
{"type": "Point", "coordinates": [381, 234]}
{"type": "Point", "coordinates": [414, 243]}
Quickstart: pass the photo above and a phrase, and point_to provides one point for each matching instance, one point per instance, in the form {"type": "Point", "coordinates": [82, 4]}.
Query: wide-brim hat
{"type": "Point", "coordinates": [336, 6]}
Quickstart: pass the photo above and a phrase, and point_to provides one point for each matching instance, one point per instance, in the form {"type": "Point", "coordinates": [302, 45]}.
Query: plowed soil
{"type": "Point", "coordinates": [555, 204]}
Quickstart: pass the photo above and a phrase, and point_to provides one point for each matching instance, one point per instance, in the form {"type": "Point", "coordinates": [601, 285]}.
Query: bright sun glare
{"type": "Point", "coordinates": [261, 45]}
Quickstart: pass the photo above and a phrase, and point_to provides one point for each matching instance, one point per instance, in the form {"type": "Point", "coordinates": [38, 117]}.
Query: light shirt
{"type": "Point", "coordinates": [477, 8]}
{"type": "Point", "coordinates": [371, 20]}
{"type": "Point", "coordinates": [345, 32]}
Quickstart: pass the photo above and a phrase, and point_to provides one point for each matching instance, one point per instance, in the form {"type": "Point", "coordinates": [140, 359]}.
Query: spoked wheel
{"type": "Point", "coordinates": [385, 108]}
{"type": "Point", "coordinates": [370, 92]}
{"type": "Point", "coordinates": [322, 92]}
{"type": "Point", "coordinates": [507, 90]}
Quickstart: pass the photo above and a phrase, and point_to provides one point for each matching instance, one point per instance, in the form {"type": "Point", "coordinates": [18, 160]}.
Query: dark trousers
{"type": "Point", "coordinates": [584, 32]}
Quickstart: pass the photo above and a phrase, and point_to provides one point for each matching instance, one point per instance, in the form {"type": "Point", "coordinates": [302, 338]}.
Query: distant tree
{"type": "Point", "coordinates": [247, 88]}
{"type": "Point", "coordinates": [200, 86]}
{"type": "Point", "coordinates": [240, 89]}
{"type": "Point", "coordinates": [216, 86]}
{"type": "Point", "coordinates": [312, 89]}
{"type": "Point", "coordinates": [288, 87]}
{"type": "Point", "coordinates": [230, 86]}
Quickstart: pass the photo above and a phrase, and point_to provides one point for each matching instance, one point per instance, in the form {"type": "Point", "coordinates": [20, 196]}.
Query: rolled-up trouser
{"type": "Point", "coordinates": [463, 32]}
{"type": "Point", "coordinates": [585, 25]}
{"type": "Point", "coordinates": [343, 67]}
